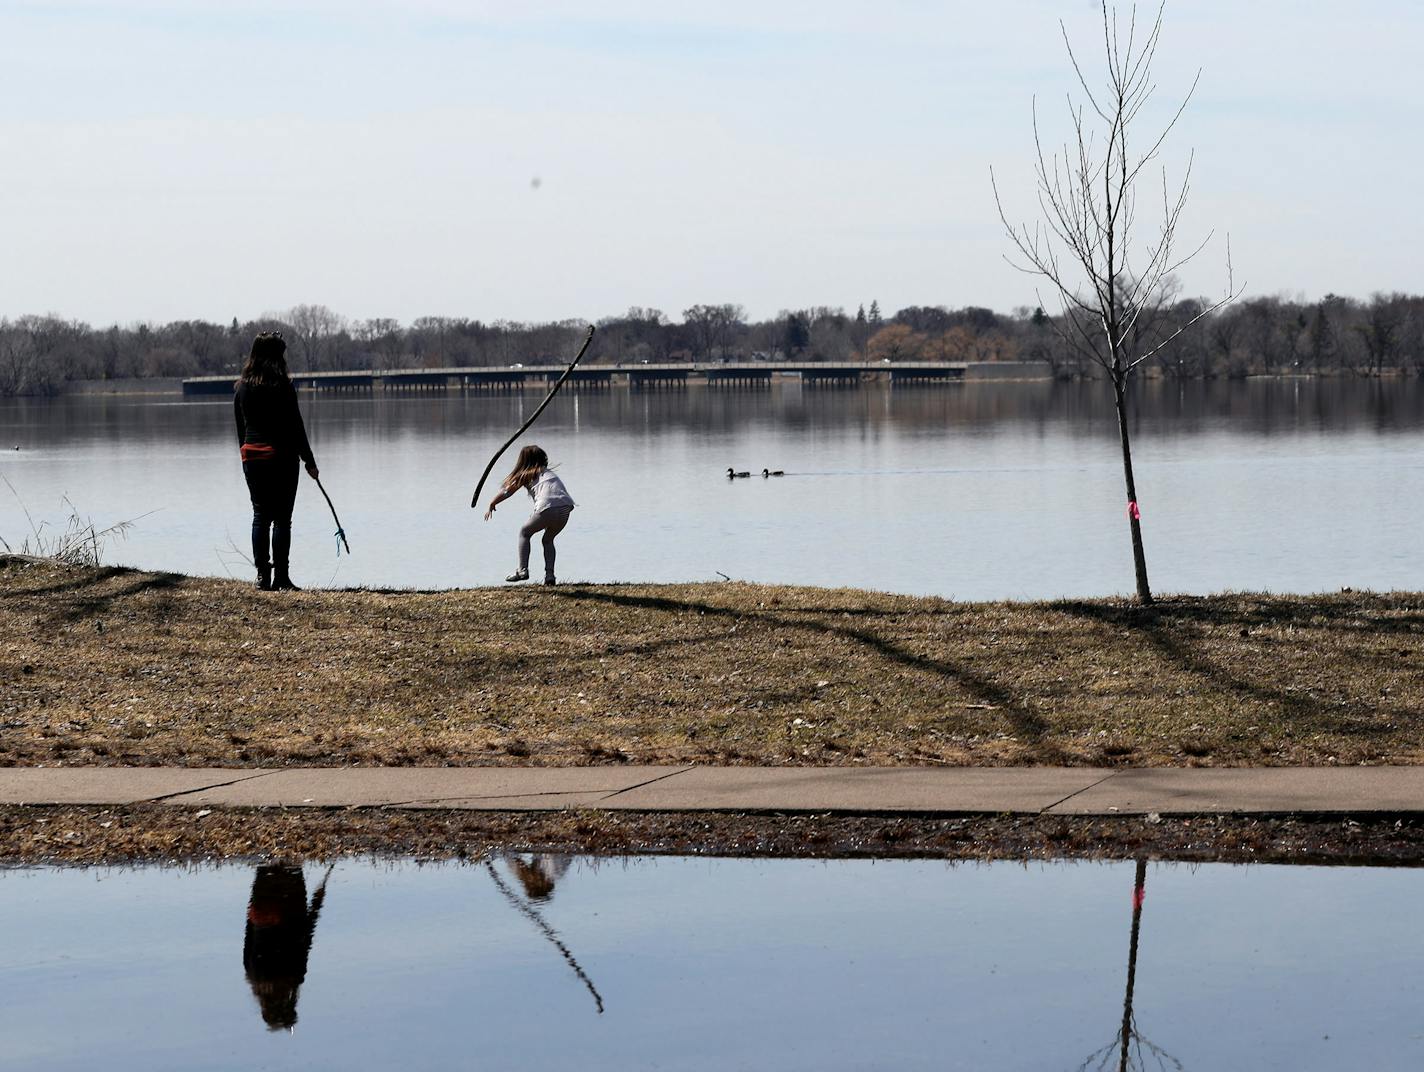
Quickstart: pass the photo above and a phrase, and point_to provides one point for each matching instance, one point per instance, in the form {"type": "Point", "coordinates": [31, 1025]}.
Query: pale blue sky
{"type": "Point", "coordinates": [167, 160]}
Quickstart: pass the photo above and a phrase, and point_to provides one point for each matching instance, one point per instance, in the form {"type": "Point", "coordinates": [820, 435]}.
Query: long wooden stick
{"type": "Point", "coordinates": [341, 532]}
{"type": "Point", "coordinates": [475, 499]}
{"type": "Point", "coordinates": [528, 912]}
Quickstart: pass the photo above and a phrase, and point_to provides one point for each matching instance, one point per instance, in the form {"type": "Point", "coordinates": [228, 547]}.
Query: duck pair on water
{"type": "Point", "coordinates": [732, 474]}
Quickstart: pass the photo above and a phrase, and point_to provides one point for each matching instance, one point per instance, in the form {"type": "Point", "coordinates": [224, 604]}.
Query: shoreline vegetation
{"type": "Point", "coordinates": [43, 355]}
{"type": "Point", "coordinates": [112, 666]}
{"type": "Point", "coordinates": [173, 387]}
{"type": "Point", "coordinates": [167, 835]}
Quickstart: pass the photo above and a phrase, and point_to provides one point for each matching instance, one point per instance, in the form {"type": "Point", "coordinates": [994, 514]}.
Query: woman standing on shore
{"type": "Point", "coordinates": [272, 437]}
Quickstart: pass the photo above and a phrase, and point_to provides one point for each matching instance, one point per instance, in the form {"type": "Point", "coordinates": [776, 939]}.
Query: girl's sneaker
{"type": "Point", "coordinates": [518, 575]}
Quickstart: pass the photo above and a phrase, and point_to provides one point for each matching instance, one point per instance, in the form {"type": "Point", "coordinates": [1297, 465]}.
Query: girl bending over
{"type": "Point", "coordinates": [552, 506]}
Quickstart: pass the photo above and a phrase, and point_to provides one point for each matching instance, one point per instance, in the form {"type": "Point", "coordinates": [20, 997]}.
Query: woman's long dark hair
{"type": "Point", "coordinates": [267, 362]}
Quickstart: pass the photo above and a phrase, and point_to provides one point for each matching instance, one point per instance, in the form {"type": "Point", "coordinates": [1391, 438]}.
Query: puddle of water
{"type": "Point", "coordinates": [677, 963]}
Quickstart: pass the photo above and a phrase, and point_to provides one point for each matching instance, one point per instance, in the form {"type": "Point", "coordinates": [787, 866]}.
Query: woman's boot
{"type": "Point", "coordinates": [264, 578]}
{"type": "Point", "coordinates": [281, 582]}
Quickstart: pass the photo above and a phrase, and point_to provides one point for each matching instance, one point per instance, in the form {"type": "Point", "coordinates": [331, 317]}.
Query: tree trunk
{"type": "Point", "coordinates": [1139, 557]}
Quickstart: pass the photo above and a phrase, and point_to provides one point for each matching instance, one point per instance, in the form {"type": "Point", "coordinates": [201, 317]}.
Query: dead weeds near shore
{"type": "Point", "coordinates": [161, 834]}
{"type": "Point", "coordinates": [114, 666]}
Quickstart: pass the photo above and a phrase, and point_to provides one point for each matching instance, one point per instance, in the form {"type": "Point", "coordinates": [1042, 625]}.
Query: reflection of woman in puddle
{"type": "Point", "coordinates": [280, 925]}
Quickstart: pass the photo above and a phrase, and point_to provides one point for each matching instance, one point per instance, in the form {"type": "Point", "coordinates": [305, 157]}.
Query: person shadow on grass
{"type": "Point", "coordinates": [278, 939]}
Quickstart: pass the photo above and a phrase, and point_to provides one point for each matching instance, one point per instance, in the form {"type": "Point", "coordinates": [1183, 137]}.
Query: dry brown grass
{"type": "Point", "coordinates": [111, 666]}
{"type": "Point", "coordinates": [169, 835]}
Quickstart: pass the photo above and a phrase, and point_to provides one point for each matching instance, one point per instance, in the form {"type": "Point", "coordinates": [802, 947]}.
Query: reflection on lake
{"type": "Point", "coordinates": [978, 490]}
{"type": "Point", "coordinates": [688, 963]}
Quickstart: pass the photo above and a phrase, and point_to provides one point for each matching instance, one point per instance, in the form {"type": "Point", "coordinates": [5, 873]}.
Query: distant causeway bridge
{"type": "Point", "coordinates": [646, 376]}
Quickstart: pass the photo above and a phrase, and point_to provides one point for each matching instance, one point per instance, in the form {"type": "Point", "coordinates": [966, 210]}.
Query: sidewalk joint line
{"type": "Point", "coordinates": [484, 796]}
{"type": "Point", "coordinates": [650, 781]}
{"type": "Point", "coordinates": [539, 793]}
{"type": "Point", "coordinates": [1078, 792]}
{"type": "Point", "coordinates": [166, 797]}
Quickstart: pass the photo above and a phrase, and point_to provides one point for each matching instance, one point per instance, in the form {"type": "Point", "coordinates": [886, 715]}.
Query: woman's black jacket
{"type": "Point", "coordinates": [268, 413]}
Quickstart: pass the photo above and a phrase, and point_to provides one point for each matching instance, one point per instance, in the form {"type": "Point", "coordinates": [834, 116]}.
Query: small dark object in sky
{"type": "Point", "coordinates": [535, 182]}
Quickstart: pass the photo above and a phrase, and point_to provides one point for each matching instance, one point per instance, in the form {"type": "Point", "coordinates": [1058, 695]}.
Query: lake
{"type": "Point", "coordinates": [680, 963]}
{"type": "Point", "coordinates": [971, 490]}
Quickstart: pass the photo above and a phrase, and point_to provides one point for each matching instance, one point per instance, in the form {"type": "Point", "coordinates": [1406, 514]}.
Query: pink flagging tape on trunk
{"type": "Point", "coordinates": [1133, 512]}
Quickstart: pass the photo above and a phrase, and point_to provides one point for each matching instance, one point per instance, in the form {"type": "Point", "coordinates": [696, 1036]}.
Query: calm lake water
{"type": "Point", "coordinates": [680, 963]}
{"type": "Point", "coordinates": [976, 490]}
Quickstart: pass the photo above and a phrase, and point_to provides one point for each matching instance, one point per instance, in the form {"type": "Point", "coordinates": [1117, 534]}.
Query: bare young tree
{"type": "Point", "coordinates": [1112, 278]}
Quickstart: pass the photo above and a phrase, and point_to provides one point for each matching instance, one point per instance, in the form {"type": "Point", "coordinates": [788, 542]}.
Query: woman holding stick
{"type": "Point", "coordinates": [272, 438]}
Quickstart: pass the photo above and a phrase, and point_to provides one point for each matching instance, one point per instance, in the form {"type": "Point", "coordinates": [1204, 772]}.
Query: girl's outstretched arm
{"type": "Point", "coordinates": [504, 493]}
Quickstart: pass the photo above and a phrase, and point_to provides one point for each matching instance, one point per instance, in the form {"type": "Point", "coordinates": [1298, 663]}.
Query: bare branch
{"type": "Point", "coordinates": [1231, 297]}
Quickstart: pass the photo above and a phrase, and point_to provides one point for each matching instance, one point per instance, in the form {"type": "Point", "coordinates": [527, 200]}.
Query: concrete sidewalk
{"type": "Point", "coordinates": [933, 791]}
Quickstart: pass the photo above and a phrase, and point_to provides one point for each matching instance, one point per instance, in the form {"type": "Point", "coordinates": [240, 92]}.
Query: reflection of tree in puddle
{"type": "Point", "coordinates": [1129, 1046]}
{"type": "Point", "coordinates": [538, 875]}
{"type": "Point", "coordinates": [280, 926]}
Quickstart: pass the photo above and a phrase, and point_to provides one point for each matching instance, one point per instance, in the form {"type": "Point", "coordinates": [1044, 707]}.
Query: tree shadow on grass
{"type": "Point", "coordinates": [88, 578]}
{"type": "Point", "coordinates": [86, 605]}
{"type": "Point", "coordinates": [1162, 626]}
{"type": "Point", "coordinates": [1028, 726]}
{"type": "Point", "coordinates": [477, 669]}
{"type": "Point", "coordinates": [1344, 613]}
{"type": "Point", "coordinates": [651, 647]}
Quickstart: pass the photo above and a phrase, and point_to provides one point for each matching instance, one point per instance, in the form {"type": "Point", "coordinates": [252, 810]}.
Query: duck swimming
{"type": "Point", "coordinates": [732, 474]}
{"type": "Point", "coordinates": [772, 472]}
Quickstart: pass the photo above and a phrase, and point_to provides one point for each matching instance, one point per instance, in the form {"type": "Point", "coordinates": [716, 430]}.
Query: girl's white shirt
{"type": "Point", "coordinates": [549, 493]}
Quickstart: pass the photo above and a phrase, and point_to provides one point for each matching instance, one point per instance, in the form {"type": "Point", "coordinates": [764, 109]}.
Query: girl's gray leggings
{"type": "Point", "coordinates": [551, 522]}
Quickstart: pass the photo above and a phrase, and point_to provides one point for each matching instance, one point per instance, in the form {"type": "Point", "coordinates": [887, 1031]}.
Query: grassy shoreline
{"type": "Point", "coordinates": [113, 666]}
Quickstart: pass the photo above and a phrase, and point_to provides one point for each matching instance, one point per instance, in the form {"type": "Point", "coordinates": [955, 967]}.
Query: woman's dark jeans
{"type": "Point", "coordinates": [273, 487]}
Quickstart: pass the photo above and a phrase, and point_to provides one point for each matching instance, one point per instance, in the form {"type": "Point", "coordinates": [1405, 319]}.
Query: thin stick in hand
{"type": "Point", "coordinates": [341, 532]}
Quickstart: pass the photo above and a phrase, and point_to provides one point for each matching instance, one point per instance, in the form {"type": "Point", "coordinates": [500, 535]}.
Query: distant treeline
{"type": "Point", "coordinates": [40, 354]}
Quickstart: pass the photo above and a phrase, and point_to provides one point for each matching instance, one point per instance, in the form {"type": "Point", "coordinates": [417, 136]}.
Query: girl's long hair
{"type": "Point", "coordinates": [530, 461]}
{"type": "Point", "coordinates": [267, 361]}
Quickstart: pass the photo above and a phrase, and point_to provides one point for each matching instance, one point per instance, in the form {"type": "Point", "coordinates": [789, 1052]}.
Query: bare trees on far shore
{"type": "Point", "coordinates": [1269, 335]}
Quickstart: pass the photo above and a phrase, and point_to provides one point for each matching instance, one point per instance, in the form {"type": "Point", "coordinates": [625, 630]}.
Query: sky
{"type": "Point", "coordinates": [539, 161]}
